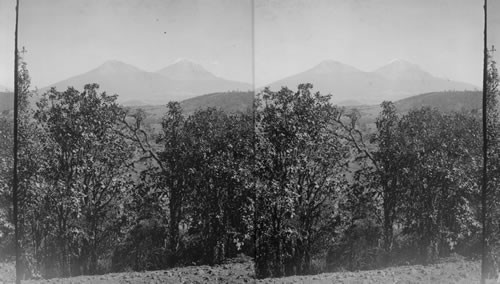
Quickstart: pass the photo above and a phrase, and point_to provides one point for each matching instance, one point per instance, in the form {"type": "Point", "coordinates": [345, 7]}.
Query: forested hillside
{"type": "Point", "coordinates": [229, 102]}
{"type": "Point", "coordinates": [446, 101]}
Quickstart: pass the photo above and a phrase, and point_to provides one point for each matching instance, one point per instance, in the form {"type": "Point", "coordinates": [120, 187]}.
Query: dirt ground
{"type": "Point", "coordinates": [462, 271]}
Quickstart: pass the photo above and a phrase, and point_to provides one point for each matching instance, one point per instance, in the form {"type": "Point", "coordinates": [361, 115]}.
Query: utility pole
{"type": "Point", "coordinates": [484, 252]}
{"type": "Point", "coordinates": [16, 150]}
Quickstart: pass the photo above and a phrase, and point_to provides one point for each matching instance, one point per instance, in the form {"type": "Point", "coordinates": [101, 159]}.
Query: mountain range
{"type": "Point", "coordinates": [350, 86]}
{"type": "Point", "coordinates": [181, 80]}
{"type": "Point", "coordinates": [186, 79]}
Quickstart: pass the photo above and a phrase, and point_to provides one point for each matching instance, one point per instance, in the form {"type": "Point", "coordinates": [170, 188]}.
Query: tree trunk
{"type": "Point", "coordinates": [175, 213]}
{"type": "Point", "coordinates": [388, 220]}
{"type": "Point", "coordinates": [62, 244]}
{"type": "Point", "coordinates": [261, 257]}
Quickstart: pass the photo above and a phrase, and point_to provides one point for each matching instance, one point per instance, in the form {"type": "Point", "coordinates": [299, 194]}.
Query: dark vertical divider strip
{"type": "Point", "coordinates": [15, 178]}
{"type": "Point", "coordinates": [485, 153]}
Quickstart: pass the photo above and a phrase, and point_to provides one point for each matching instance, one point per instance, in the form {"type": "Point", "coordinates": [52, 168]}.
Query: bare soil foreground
{"type": "Point", "coordinates": [461, 271]}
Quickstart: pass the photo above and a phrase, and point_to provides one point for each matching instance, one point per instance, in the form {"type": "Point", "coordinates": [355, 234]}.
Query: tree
{"type": "Point", "coordinates": [222, 150]}
{"type": "Point", "coordinates": [387, 164]}
{"type": "Point", "coordinates": [166, 173]}
{"type": "Point", "coordinates": [6, 222]}
{"type": "Point", "coordinates": [175, 172]}
{"type": "Point", "coordinates": [299, 183]}
{"type": "Point", "coordinates": [25, 167]}
{"type": "Point", "coordinates": [198, 173]}
{"type": "Point", "coordinates": [427, 166]}
{"type": "Point", "coordinates": [85, 172]}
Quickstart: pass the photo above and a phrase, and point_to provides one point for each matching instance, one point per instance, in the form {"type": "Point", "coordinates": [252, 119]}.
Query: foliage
{"type": "Point", "coordinates": [196, 181]}
{"type": "Point", "coordinates": [300, 186]}
{"type": "Point", "coordinates": [221, 148]}
{"type": "Point", "coordinates": [427, 166]}
{"type": "Point", "coordinates": [6, 162]}
{"type": "Point", "coordinates": [6, 223]}
{"type": "Point", "coordinates": [80, 179]}
{"type": "Point", "coordinates": [294, 183]}
{"type": "Point", "coordinates": [438, 152]}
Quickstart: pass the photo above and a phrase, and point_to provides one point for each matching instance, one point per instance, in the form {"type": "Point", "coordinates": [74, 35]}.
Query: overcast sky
{"type": "Point", "coordinates": [68, 37]}
{"type": "Point", "coordinates": [7, 18]}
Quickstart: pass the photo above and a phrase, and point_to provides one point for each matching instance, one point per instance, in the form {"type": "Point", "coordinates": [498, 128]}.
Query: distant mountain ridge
{"type": "Point", "coordinates": [229, 102]}
{"type": "Point", "coordinates": [446, 102]}
{"type": "Point", "coordinates": [241, 101]}
{"type": "Point", "coordinates": [6, 101]}
{"type": "Point", "coordinates": [179, 81]}
{"type": "Point", "coordinates": [185, 79]}
{"type": "Point", "coordinates": [397, 80]}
